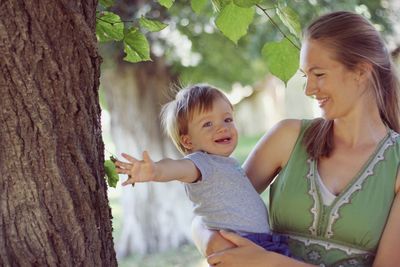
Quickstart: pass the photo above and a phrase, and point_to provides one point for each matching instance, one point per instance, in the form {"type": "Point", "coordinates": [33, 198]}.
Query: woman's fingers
{"type": "Point", "coordinates": [246, 253]}
{"type": "Point", "coordinates": [235, 238]}
{"type": "Point", "coordinates": [215, 259]}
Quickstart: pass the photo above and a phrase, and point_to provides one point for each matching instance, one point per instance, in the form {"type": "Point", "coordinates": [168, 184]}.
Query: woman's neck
{"type": "Point", "coordinates": [363, 127]}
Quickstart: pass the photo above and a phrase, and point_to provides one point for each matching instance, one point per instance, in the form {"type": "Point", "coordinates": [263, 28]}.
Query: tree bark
{"type": "Point", "coordinates": [156, 216]}
{"type": "Point", "coordinates": [53, 202]}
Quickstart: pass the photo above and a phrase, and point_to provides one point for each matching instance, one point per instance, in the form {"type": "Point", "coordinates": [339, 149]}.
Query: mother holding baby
{"type": "Point", "coordinates": [335, 194]}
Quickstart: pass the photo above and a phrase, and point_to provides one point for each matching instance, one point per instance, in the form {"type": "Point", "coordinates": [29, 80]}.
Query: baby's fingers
{"type": "Point", "coordinates": [129, 181]}
{"type": "Point", "coordinates": [129, 158]}
{"type": "Point", "coordinates": [146, 157]}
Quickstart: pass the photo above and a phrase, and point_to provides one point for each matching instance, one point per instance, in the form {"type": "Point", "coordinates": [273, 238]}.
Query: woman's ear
{"type": "Point", "coordinates": [364, 71]}
{"type": "Point", "coordinates": [186, 141]}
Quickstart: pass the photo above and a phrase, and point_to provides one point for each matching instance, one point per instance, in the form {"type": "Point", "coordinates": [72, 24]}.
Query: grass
{"type": "Point", "coordinates": [185, 256]}
{"type": "Point", "coordinates": [245, 145]}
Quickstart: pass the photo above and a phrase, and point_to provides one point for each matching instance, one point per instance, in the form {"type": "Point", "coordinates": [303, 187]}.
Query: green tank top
{"type": "Point", "coordinates": [347, 232]}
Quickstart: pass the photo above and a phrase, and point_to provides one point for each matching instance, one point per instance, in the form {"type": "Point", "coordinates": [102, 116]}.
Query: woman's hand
{"type": "Point", "coordinates": [217, 243]}
{"type": "Point", "coordinates": [244, 254]}
{"type": "Point", "coordinates": [208, 241]}
{"type": "Point", "coordinates": [248, 254]}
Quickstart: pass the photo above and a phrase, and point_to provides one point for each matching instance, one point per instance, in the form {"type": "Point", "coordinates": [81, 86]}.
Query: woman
{"type": "Point", "coordinates": [336, 191]}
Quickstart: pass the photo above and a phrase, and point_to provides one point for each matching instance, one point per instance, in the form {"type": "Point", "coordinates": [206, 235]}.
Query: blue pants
{"type": "Point", "coordinates": [270, 242]}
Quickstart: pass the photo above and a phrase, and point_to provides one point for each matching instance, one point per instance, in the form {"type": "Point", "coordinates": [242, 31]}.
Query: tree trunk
{"type": "Point", "coordinates": [156, 216]}
{"type": "Point", "coordinates": [53, 202]}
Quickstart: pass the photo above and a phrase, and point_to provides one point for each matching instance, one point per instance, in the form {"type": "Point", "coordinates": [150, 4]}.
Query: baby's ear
{"type": "Point", "coordinates": [186, 141]}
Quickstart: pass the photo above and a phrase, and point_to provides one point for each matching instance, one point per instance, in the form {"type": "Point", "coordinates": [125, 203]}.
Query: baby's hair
{"type": "Point", "coordinates": [176, 114]}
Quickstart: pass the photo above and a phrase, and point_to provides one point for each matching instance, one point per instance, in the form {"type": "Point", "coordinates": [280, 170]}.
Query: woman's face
{"type": "Point", "coordinates": [335, 87]}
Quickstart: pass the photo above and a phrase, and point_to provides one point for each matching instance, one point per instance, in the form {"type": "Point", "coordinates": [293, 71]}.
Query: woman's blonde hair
{"type": "Point", "coordinates": [176, 114]}
{"type": "Point", "coordinates": [354, 41]}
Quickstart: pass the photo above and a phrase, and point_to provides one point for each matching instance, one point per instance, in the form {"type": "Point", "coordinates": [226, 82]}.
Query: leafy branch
{"type": "Point", "coordinates": [264, 10]}
{"type": "Point", "coordinates": [232, 18]}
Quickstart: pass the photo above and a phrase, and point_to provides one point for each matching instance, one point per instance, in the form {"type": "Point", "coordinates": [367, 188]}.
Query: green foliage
{"type": "Point", "coordinates": [238, 21]}
{"type": "Point", "coordinates": [152, 25]}
{"type": "Point", "coordinates": [111, 172]}
{"type": "Point", "coordinates": [233, 21]}
{"type": "Point", "coordinates": [282, 59]}
{"type": "Point", "coordinates": [136, 46]}
{"type": "Point", "coordinates": [290, 19]}
{"type": "Point", "coordinates": [246, 3]}
{"type": "Point", "coordinates": [219, 4]}
{"type": "Point", "coordinates": [106, 3]}
{"type": "Point", "coordinates": [166, 3]}
{"type": "Point", "coordinates": [198, 5]}
{"type": "Point", "coordinates": [109, 27]}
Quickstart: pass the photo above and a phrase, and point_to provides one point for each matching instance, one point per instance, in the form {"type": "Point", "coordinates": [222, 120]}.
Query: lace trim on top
{"type": "Point", "coordinates": [327, 196]}
{"type": "Point", "coordinates": [345, 196]}
{"type": "Point", "coordinates": [329, 245]}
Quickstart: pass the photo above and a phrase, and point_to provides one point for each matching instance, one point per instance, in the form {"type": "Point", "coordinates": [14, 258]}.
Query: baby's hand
{"type": "Point", "coordinates": [137, 170]}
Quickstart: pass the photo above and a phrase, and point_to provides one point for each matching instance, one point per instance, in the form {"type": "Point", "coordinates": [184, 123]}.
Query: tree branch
{"type": "Point", "coordinates": [264, 10]}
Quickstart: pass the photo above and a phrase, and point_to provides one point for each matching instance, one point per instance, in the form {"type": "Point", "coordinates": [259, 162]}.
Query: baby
{"type": "Point", "coordinates": [200, 122]}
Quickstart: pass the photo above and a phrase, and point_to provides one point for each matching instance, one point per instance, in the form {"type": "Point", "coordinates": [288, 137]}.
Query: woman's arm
{"type": "Point", "coordinates": [271, 153]}
{"type": "Point", "coordinates": [388, 251]}
{"type": "Point", "coordinates": [248, 254]}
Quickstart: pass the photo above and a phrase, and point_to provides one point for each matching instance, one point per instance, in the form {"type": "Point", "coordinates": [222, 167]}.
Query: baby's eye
{"type": "Point", "coordinates": [319, 74]}
{"type": "Point", "coordinates": [229, 119]}
{"type": "Point", "coordinates": [207, 124]}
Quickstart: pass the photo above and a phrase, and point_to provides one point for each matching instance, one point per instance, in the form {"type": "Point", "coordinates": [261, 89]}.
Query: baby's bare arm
{"type": "Point", "coordinates": [165, 170]}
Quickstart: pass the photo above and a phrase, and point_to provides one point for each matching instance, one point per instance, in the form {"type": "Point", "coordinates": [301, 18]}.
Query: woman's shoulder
{"type": "Point", "coordinates": [282, 137]}
{"type": "Point", "coordinates": [287, 129]}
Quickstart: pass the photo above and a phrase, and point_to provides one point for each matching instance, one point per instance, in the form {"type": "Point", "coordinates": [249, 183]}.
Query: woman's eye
{"type": "Point", "coordinates": [228, 120]}
{"type": "Point", "coordinates": [207, 124]}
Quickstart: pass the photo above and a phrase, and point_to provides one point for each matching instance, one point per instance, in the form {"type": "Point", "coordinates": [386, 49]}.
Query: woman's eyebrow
{"type": "Point", "coordinates": [311, 69]}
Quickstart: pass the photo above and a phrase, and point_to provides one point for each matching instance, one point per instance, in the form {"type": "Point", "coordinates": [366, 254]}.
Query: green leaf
{"type": "Point", "coordinates": [152, 25]}
{"type": "Point", "coordinates": [219, 4]}
{"type": "Point", "coordinates": [282, 59]}
{"type": "Point", "coordinates": [136, 46]}
{"type": "Point", "coordinates": [233, 21]}
{"type": "Point", "coordinates": [246, 3]}
{"type": "Point", "coordinates": [106, 3]}
{"type": "Point", "coordinates": [166, 3]}
{"type": "Point", "coordinates": [198, 5]}
{"type": "Point", "coordinates": [111, 173]}
{"type": "Point", "coordinates": [290, 19]}
{"type": "Point", "coordinates": [109, 27]}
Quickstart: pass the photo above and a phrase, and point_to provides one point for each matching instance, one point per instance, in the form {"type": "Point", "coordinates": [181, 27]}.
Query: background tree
{"type": "Point", "coordinates": [54, 208]}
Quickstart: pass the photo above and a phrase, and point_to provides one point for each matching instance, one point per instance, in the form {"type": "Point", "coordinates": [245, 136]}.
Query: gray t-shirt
{"type": "Point", "coordinates": [225, 197]}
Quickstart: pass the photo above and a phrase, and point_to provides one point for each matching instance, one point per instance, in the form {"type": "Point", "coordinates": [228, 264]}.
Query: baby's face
{"type": "Point", "coordinates": [212, 131]}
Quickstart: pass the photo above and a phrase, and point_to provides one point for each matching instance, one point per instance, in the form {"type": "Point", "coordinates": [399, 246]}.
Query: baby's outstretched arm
{"type": "Point", "coordinates": [165, 170]}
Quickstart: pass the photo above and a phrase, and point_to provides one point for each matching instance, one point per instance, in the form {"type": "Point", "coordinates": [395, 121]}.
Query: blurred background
{"type": "Point", "coordinates": [152, 221]}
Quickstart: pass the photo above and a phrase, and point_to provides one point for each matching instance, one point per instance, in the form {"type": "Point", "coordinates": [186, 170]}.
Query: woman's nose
{"type": "Point", "coordinates": [310, 89]}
